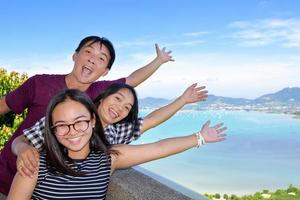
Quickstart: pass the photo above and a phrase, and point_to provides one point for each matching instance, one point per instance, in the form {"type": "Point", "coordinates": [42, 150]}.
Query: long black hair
{"type": "Point", "coordinates": [132, 116]}
{"type": "Point", "coordinates": [103, 41]}
{"type": "Point", "coordinates": [56, 153]}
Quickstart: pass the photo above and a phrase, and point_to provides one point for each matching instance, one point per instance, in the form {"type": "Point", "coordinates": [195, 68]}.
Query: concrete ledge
{"type": "Point", "coordinates": [131, 184]}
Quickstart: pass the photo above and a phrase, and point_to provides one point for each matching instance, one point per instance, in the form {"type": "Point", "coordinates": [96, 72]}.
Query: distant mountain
{"type": "Point", "coordinates": [286, 96]}
{"type": "Point", "coordinates": [212, 99]}
{"type": "Point", "coordinates": [151, 102]}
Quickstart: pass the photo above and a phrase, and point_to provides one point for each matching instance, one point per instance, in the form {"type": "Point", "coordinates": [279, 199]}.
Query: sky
{"type": "Point", "coordinates": [235, 48]}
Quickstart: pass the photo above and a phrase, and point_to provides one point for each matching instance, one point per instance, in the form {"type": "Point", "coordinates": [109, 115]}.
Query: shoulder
{"type": "Point", "coordinates": [48, 76]}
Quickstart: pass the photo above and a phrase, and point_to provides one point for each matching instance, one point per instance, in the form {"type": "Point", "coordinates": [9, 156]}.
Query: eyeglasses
{"type": "Point", "coordinates": [64, 129]}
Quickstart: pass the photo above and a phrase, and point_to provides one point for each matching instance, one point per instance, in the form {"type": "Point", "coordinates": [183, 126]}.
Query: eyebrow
{"type": "Point", "coordinates": [124, 97]}
{"type": "Point", "coordinates": [90, 45]}
{"type": "Point", "coordinates": [76, 118]}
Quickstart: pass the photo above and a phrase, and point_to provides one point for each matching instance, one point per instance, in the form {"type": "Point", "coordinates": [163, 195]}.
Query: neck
{"type": "Point", "coordinates": [79, 155]}
{"type": "Point", "coordinates": [73, 83]}
{"type": "Point", "coordinates": [104, 125]}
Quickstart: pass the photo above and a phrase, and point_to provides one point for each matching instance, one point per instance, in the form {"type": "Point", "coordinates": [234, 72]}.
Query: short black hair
{"type": "Point", "coordinates": [101, 40]}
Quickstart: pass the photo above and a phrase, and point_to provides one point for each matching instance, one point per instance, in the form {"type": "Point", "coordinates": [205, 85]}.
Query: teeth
{"type": "Point", "coordinates": [114, 113]}
{"type": "Point", "coordinates": [87, 69]}
{"type": "Point", "coordinates": [74, 140]}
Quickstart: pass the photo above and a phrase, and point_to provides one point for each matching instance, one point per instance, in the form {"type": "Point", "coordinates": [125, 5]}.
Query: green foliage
{"type": "Point", "coordinates": [10, 121]}
{"type": "Point", "coordinates": [225, 196]}
{"type": "Point", "coordinates": [292, 189]}
{"type": "Point", "coordinates": [265, 191]}
{"type": "Point", "coordinates": [291, 193]}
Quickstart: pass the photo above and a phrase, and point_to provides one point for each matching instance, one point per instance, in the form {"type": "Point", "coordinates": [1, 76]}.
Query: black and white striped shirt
{"type": "Point", "coordinates": [91, 186]}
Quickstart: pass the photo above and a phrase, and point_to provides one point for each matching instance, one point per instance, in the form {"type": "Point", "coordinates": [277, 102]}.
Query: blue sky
{"type": "Point", "coordinates": [236, 48]}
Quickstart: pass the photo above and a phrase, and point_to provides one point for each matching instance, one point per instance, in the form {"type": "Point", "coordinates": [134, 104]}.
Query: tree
{"type": "Point", "coordinates": [10, 121]}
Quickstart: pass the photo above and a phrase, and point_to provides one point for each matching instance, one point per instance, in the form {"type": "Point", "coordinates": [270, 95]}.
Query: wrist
{"type": "Point", "coordinates": [21, 148]}
{"type": "Point", "coordinates": [182, 100]}
{"type": "Point", "coordinates": [159, 61]}
{"type": "Point", "coordinates": [200, 139]}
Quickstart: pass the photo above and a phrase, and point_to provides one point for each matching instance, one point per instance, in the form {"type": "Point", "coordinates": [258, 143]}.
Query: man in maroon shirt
{"type": "Point", "coordinates": [93, 58]}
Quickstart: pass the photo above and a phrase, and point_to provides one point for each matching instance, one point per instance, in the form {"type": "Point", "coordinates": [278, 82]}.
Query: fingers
{"type": "Point", "coordinates": [207, 123]}
{"type": "Point", "coordinates": [218, 126]}
{"type": "Point", "coordinates": [221, 130]}
{"type": "Point", "coordinates": [20, 168]}
{"type": "Point", "coordinates": [220, 135]}
{"type": "Point", "coordinates": [156, 47]}
{"type": "Point", "coordinates": [202, 94]}
{"type": "Point", "coordinates": [199, 88]}
{"type": "Point", "coordinates": [28, 163]}
{"type": "Point", "coordinates": [193, 85]}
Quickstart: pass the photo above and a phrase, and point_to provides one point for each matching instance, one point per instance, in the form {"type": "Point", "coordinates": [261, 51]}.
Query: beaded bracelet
{"type": "Point", "coordinates": [200, 139]}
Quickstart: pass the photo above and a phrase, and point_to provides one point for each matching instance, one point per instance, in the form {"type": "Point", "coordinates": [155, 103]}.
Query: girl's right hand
{"type": "Point", "coordinates": [194, 94]}
{"type": "Point", "coordinates": [28, 161]}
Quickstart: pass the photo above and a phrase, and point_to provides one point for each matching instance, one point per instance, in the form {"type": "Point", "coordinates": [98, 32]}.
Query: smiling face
{"type": "Point", "coordinates": [115, 107]}
{"type": "Point", "coordinates": [77, 142]}
{"type": "Point", "coordinates": [90, 63]}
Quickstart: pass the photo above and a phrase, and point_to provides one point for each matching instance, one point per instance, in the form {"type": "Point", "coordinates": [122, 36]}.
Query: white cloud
{"type": "Point", "coordinates": [232, 75]}
{"type": "Point", "coordinates": [39, 64]}
{"type": "Point", "coordinates": [285, 32]}
{"type": "Point", "coordinates": [186, 39]}
{"type": "Point", "coordinates": [229, 75]}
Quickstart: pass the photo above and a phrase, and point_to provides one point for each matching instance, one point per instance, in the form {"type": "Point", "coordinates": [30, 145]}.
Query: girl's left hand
{"type": "Point", "coordinates": [214, 133]}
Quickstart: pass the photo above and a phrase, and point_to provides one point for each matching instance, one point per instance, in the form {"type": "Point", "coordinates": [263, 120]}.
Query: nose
{"type": "Point", "coordinates": [72, 130]}
{"type": "Point", "coordinates": [92, 59]}
{"type": "Point", "coordinates": [119, 108]}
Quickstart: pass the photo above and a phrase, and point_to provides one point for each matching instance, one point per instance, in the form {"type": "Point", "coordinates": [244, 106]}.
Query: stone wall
{"type": "Point", "coordinates": [131, 184]}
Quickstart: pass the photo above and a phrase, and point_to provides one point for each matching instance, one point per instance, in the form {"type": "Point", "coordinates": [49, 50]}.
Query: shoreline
{"type": "Point", "coordinates": [293, 115]}
{"type": "Point", "coordinates": [193, 191]}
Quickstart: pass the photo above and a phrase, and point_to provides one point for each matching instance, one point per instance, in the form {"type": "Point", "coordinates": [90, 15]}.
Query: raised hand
{"type": "Point", "coordinates": [162, 55]}
{"type": "Point", "coordinates": [214, 133]}
{"type": "Point", "coordinates": [28, 161]}
{"type": "Point", "coordinates": [194, 94]}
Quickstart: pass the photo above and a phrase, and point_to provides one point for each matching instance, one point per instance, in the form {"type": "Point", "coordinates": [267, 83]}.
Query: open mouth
{"type": "Point", "coordinates": [86, 70]}
{"type": "Point", "coordinates": [114, 114]}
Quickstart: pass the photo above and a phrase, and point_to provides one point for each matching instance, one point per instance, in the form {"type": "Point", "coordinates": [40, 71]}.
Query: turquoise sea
{"type": "Point", "coordinates": [262, 151]}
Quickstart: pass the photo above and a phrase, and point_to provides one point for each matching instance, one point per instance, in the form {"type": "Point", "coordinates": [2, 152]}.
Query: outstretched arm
{"type": "Point", "coordinates": [141, 74]}
{"type": "Point", "coordinates": [130, 155]}
{"type": "Point", "coordinates": [191, 95]}
{"type": "Point", "coordinates": [3, 106]}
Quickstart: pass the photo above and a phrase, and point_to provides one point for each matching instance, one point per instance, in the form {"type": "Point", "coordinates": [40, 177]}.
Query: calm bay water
{"type": "Point", "coordinates": [262, 151]}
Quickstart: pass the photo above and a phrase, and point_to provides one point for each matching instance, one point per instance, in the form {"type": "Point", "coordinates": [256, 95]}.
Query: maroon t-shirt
{"type": "Point", "coordinates": [35, 95]}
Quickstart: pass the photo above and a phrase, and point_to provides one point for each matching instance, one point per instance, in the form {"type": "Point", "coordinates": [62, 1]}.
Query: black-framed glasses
{"type": "Point", "coordinates": [64, 129]}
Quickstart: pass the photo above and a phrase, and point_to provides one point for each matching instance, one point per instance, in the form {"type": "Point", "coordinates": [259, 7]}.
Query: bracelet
{"type": "Point", "coordinates": [200, 139]}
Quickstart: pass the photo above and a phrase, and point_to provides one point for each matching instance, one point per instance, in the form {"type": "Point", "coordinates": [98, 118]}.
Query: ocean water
{"type": "Point", "coordinates": [262, 151]}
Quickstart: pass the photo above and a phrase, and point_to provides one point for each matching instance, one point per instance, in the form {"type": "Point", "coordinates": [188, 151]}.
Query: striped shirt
{"type": "Point", "coordinates": [120, 133]}
{"type": "Point", "coordinates": [91, 186]}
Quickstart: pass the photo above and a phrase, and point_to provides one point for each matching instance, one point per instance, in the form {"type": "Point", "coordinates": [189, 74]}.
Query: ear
{"type": "Point", "coordinates": [93, 120]}
{"type": "Point", "coordinates": [105, 72]}
{"type": "Point", "coordinates": [74, 56]}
